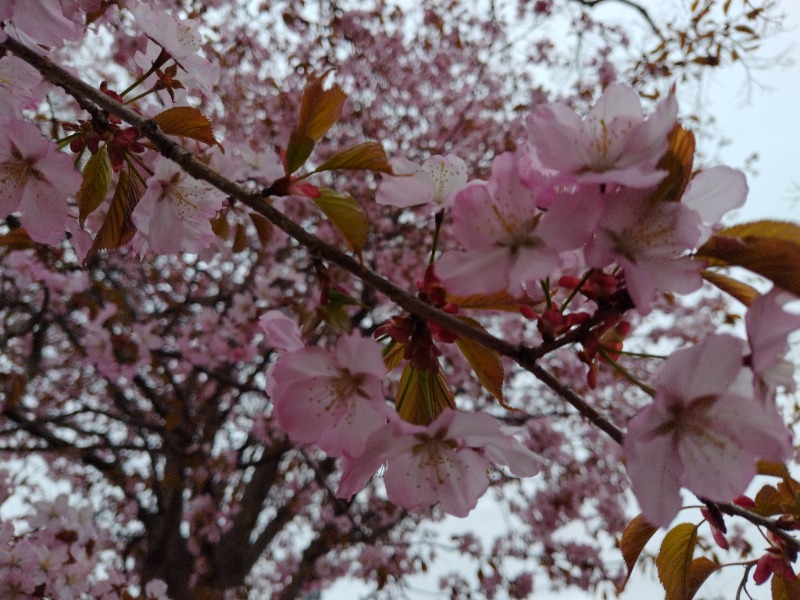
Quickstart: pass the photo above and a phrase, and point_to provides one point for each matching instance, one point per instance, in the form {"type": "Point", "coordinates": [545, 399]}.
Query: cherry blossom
{"type": "Point", "coordinates": [173, 213]}
{"type": "Point", "coordinates": [43, 20]}
{"type": "Point", "coordinates": [650, 241]}
{"type": "Point", "coordinates": [435, 182]}
{"type": "Point", "coordinates": [331, 398]}
{"type": "Point", "coordinates": [508, 240]}
{"type": "Point", "coordinates": [612, 144]}
{"type": "Point", "coordinates": [282, 333]}
{"type": "Point", "coordinates": [768, 329]}
{"type": "Point", "coordinates": [714, 192]}
{"type": "Point", "coordinates": [35, 179]}
{"type": "Point", "coordinates": [17, 82]}
{"type": "Point", "coordinates": [703, 431]}
{"type": "Point", "coordinates": [180, 39]}
{"type": "Point", "coordinates": [445, 462]}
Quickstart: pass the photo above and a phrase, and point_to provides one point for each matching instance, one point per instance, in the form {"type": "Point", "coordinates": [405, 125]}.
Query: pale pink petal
{"type": "Point", "coordinates": [305, 363]}
{"type": "Point", "coordinates": [474, 271]}
{"type": "Point", "coordinates": [707, 369]}
{"type": "Point", "coordinates": [529, 264]}
{"type": "Point", "coordinates": [557, 133]}
{"type": "Point", "coordinates": [403, 191]}
{"type": "Point", "coordinates": [715, 466]}
{"type": "Point", "coordinates": [454, 479]}
{"type": "Point", "coordinates": [714, 192]}
{"type": "Point", "coordinates": [44, 212]}
{"type": "Point", "coordinates": [282, 332]}
{"type": "Point", "coordinates": [445, 175]}
{"type": "Point", "coordinates": [17, 83]}
{"type": "Point", "coordinates": [365, 353]}
{"type": "Point", "coordinates": [648, 140]}
{"type": "Point", "coordinates": [571, 220]}
{"type": "Point", "coordinates": [654, 467]}
{"type": "Point", "coordinates": [768, 329]}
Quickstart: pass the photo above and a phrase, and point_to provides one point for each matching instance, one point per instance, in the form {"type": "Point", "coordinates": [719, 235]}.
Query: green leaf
{"type": "Point", "coordinates": [741, 291]}
{"type": "Point", "coordinates": [486, 364]}
{"type": "Point", "coordinates": [393, 354]}
{"type": "Point", "coordinates": [348, 217]}
{"type": "Point", "coordinates": [186, 121]}
{"type": "Point", "coordinates": [422, 395]}
{"type": "Point", "coordinates": [117, 228]}
{"type": "Point", "coordinates": [367, 156]}
{"type": "Point", "coordinates": [96, 180]}
{"type": "Point", "coordinates": [674, 561]}
{"type": "Point", "coordinates": [768, 248]}
{"type": "Point", "coordinates": [297, 152]}
{"type": "Point", "coordinates": [634, 539]}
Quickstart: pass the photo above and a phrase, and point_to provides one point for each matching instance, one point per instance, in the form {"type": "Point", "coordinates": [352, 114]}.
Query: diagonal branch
{"type": "Point", "coordinates": [522, 355]}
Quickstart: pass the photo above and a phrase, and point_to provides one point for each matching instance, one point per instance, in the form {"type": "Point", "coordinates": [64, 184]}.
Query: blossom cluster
{"type": "Point", "coordinates": [605, 207]}
{"type": "Point", "coordinates": [589, 193]}
{"type": "Point", "coordinates": [335, 400]}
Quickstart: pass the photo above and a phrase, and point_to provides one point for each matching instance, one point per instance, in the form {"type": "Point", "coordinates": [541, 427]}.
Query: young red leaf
{"type": "Point", "coordinates": [487, 364]}
{"type": "Point", "coordinates": [634, 539]}
{"type": "Point", "coordinates": [96, 181]}
{"type": "Point", "coordinates": [674, 561]}
{"type": "Point", "coordinates": [769, 248]}
{"type": "Point", "coordinates": [320, 108]}
{"type": "Point", "coordinates": [240, 238]}
{"type": "Point", "coordinates": [17, 239]}
{"type": "Point", "coordinates": [185, 121]}
{"type": "Point", "coordinates": [501, 300]}
{"type": "Point", "coordinates": [699, 571]}
{"type": "Point", "coordinates": [117, 228]}
{"type": "Point", "coordinates": [366, 156]}
{"type": "Point", "coordinates": [264, 228]}
{"type": "Point", "coordinates": [677, 161]}
{"type": "Point", "coordinates": [348, 217]}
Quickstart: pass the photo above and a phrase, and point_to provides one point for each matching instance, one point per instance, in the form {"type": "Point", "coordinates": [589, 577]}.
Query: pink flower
{"type": "Point", "coordinates": [17, 82]}
{"type": "Point", "coordinates": [510, 242]}
{"type": "Point", "coordinates": [173, 214]}
{"type": "Point", "coordinates": [445, 462]}
{"type": "Point", "coordinates": [650, 241]}
{"type": "Point", "coordinates": [282, 333]}
{"type": "Point", "coordinates": [435, 182]}
{"type": "Point", "coordinates": [714, 192]}
{"type": "Point", "coordinates": [768, 329]}
{"type": "Point", "coordinates": [180, 39]}
{"type": "Point", "coordinates": [613, 144]}
{"type": "Point", "coordinates": [331, 398]}
{"type": "Point", "coordinates": [43, 20]}
{"type": "Point", "coordinates": [703, 431]}
{"type": "Point", "coordinates": [35, 179]}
